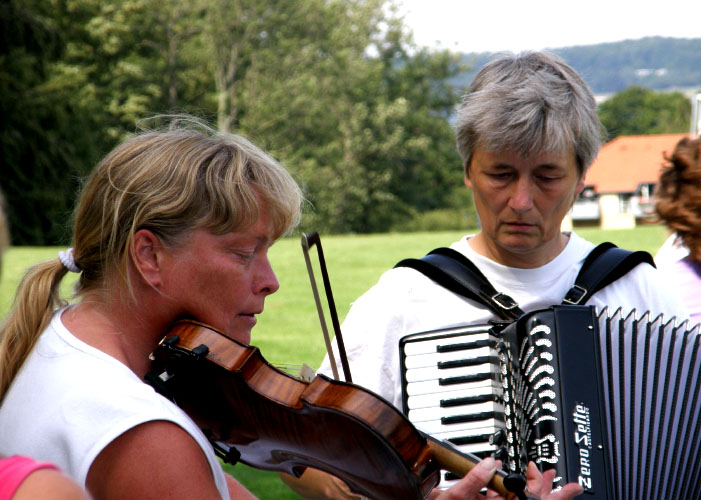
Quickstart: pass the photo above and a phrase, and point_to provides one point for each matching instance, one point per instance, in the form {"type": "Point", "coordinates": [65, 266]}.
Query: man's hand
{"type": "Point", "coordinates": [539, 486]}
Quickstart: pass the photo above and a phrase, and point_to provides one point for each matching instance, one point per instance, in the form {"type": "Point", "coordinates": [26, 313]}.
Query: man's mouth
{"type": "Point", "coordinates": [519, 225]}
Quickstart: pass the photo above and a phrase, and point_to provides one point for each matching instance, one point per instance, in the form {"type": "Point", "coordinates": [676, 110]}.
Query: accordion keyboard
{"type": "Point", "coordinates": [451, 387]}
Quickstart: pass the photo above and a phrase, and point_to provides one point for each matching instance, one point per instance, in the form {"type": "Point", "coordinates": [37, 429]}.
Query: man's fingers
{"type": "Point", "coordinates": [475, 481]}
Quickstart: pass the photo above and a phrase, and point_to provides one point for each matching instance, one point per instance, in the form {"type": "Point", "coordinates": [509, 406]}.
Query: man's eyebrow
{"type": "Point", "coordinates": [552, 166]}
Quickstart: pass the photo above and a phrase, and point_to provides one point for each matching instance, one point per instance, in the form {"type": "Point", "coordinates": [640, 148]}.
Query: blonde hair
{"type": "Point", "coordinates": [169, 181]}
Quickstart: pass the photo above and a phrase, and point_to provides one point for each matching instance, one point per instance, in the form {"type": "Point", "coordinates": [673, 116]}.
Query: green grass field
{"type": "Point", "coordinates": [288, 332]}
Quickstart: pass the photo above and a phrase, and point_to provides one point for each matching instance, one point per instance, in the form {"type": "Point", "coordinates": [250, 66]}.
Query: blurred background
{"type": "Point", "coordinates": [355, 97]}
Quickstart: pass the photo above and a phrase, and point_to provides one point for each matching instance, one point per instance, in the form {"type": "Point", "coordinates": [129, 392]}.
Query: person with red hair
{"type": "Point", "coordinates": [679, 207]}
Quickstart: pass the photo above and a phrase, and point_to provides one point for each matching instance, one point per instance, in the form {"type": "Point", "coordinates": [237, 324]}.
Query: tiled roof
{"type": "Point", "coordinates": [628, 161]}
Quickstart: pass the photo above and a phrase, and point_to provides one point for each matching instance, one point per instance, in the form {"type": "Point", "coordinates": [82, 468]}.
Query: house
{"type": "Point", "coordinates": [620, 183]}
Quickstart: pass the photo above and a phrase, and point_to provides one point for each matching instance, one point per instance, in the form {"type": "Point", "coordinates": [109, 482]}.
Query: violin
{"type": "Point", "coordinates": [263, 417]}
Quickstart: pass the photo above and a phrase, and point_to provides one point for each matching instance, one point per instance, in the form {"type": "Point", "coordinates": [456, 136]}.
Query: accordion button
{"type": "Point", "coordinates": [498, 438]}
{"type": "Point", "coordinates": [515, 482]}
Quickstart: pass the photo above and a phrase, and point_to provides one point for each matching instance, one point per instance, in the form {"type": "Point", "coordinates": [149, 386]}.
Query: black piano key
{"type": "Point", "coordinates": [475, 439]}
{"type": "Point", "coordinates": [449, 476]}
{"type": "Point", "coordinates": [472, 417]}
{"type": "Point", "coordinates": [469, 400]}
{"type": "Point", "coordinates": [457, 363]}
{"type": "Point", "coordinates": [463, 379]}
{"type": "Point", "coordinates": [462, 346]}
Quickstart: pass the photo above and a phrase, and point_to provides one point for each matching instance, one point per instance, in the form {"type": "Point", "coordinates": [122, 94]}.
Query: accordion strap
{"type": "Point", "coordinates": [460, 275]}
{"type": "Point", "coordinates": [452, 270]}
{"type": "Point", "coordinates": [604, 265]}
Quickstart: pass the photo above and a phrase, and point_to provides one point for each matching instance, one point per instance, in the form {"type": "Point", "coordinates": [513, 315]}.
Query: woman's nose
{"type": "Point", "coordinates": [266, 282]}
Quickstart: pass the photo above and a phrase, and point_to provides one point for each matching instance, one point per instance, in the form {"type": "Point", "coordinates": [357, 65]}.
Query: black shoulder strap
{"type": "Point", "coordinates": [452, 270]}
{"type": "Point", "coordinates": [604, 265]}
{"type": "Point", "coordinates": [457, 273]}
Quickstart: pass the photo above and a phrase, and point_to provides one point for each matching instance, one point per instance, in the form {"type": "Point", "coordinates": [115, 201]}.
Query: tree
{"type": "Point", "coordinates": [637, 110]}
{"type": "Point", "coordinates": [356, 112]}
{"type": "Point", "coordinates": [333, 88]}
{"type": "Point", "coordinates": [74, 79]}
{"type": "Point", "coordinates": [44, 138]}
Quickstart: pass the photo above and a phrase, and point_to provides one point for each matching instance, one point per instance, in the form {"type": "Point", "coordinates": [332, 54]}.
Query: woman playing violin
{"type": "Point", "coordinates": [171, 224]}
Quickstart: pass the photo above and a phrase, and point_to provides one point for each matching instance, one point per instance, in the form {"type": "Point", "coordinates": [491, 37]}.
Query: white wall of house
{"type": "Point", "coordinates": [615, 212]}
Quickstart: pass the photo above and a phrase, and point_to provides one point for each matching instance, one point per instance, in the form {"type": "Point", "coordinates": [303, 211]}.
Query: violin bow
{"type": "Point", "coordinates": [308, 241]}
{"type": "Point", "coordinates": [445, 453]}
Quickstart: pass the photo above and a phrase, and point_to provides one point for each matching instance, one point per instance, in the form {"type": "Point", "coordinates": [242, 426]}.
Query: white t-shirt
{"type": "Point", "coordinates": [405, 301]}
{"type": "Point", "coordinates": [70, 400]}
{"type": "Point", "coordinates": [671, 251]}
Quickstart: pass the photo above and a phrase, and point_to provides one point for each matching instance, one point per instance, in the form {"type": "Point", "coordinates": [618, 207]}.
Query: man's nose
{"type": "Point", "coordinates": [521, 199]}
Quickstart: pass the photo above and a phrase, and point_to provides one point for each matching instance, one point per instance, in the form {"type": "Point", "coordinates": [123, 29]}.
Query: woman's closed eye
{"type": "Point", "coordinates": [245, 256]}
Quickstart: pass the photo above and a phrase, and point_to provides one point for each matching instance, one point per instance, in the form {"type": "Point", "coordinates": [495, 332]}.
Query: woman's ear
{"type": "Point", "coordinates": [147, 256]}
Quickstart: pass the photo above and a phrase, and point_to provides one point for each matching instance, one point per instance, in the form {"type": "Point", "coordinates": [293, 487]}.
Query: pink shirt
{"type": "Point", "coordinates": [14, 470]}
{"type": "Point", "coordinates": [685, 276]}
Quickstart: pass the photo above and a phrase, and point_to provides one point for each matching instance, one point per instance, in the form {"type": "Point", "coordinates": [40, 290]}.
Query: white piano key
{"type": "Point", "coordinates": [435, 413]}
{"type": "Point", "coordinates": [436, 428]}
{"type": "Point", "coordinates": [432, 345]}
{"type": "Point", "coordinates": [433, 399]}
{"type": "Point", "coordinates": [432, 386]}
{"type": "Point", "coordinates": [431, 373]}
{"type": "Point", "coordinates": [433, 358]}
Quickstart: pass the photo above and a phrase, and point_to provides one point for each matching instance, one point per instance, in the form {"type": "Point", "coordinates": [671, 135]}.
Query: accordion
{"type": "Point", "coordinates": [611, 401]}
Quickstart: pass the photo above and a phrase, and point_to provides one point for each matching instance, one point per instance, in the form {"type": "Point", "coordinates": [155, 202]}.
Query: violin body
{"type": "Point", "coordinates": [267, 419]}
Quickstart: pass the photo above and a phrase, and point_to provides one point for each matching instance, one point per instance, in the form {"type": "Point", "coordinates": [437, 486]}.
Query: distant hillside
{"type": "Point", "coordinates": [654, 62]}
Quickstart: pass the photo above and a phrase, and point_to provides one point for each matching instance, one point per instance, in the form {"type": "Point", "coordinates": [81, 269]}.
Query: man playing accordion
{"type": "Point", "coordinates": [527, 131]}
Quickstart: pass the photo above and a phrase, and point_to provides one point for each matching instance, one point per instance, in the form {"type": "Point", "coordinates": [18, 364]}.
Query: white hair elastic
{"type": "Point", "coordinates": [67, 260]}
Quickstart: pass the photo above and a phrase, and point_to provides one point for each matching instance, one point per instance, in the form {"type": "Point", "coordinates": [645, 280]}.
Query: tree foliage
{"type": "Point", "coordinates": [637, 111]}
{"type": "Point", "coordinates": [44, 135]}
{"type": "Point", "coordinates": [332, 88]}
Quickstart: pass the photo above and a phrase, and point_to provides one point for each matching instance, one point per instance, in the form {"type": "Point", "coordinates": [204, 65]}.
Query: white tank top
{"type": "Point", "coordinates": [70, 400]}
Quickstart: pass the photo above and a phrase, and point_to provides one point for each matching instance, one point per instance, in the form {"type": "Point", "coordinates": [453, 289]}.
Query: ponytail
{"type": "Point", "coordinates": [36, 298]}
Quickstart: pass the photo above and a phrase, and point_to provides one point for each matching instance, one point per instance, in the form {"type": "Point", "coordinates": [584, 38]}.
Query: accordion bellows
{"type": "Point", "coordinates": [611, 401]}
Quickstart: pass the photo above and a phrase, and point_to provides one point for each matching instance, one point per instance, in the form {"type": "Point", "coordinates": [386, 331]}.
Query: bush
{"type": "Point", "coordinates": [440, 219]}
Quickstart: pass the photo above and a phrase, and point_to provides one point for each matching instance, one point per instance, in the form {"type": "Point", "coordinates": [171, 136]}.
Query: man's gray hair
{"type": "Point", "coordinates": [529, 103]}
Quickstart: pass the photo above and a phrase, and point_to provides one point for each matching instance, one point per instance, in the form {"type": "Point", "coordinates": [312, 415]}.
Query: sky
{"type": "Point", "coordinates": [516, 25]}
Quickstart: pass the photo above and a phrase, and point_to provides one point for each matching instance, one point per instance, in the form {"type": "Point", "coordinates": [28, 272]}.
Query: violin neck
{"type": "Point", "coordinates": [460, 463]}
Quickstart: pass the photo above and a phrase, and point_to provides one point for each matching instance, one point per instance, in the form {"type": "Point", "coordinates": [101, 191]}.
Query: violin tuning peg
{"type": "Point", "coordinates": [171, 341]}
{"type": "Point", "coordinates": [200, 351]}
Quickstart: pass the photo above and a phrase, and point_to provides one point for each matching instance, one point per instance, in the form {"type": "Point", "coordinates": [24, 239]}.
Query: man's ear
{"type": "Point", "coordinates": [580, 184]}
{"type": "Point", "coordinates": [147, 256]}
{"type": "Point", "coordinates": [468, 182]}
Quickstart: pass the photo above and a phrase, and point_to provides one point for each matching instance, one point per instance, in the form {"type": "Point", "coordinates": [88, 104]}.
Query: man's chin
{"type": "Point", "coordinates": [519, 243]}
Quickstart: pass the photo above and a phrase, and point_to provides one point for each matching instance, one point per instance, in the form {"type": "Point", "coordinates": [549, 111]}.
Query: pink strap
{"type": "Point", "coordinates": [14, 470]}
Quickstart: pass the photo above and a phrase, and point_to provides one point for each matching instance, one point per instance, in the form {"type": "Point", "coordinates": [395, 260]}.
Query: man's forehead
{"type": "Point", "coordinates": [553, 159]}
